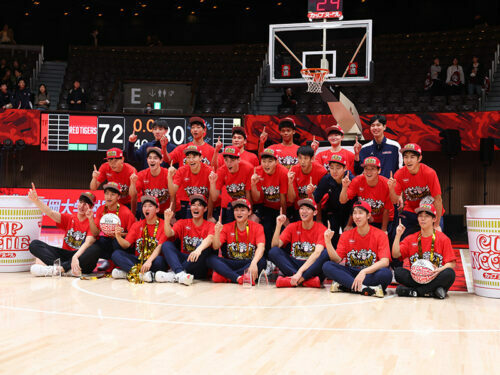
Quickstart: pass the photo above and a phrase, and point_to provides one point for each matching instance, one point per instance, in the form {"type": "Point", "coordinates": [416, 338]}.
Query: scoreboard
{"type": "Point", "coordinates": [93, 132]}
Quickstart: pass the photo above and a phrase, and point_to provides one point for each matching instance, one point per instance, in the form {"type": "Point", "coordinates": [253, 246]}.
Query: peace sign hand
{"type": "Point", "coordinates": [263, 135]}
{"type": "Point", "coordinates": [95, 173]}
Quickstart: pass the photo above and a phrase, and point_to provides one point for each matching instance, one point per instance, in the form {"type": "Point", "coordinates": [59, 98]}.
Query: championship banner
{"type": "Point", "coordinates": [423, 128]}
{"type": "Point", "coordinates": [60, 200]}
{"type": "Point", "coordinates": [22, 124]}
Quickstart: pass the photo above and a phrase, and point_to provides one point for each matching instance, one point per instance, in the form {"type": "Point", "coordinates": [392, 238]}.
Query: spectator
{"type": "Point", "coordinates": [149, 108]}
{"type": "Point", "coordinates": [94, 41]}
{"type": "Point", "coordinates": [42, 101]}
{"type": "Point", "coordinates": [7, 35]}
{"type": "Point", "coordinates": [9, 79]}
{"type": "Point", "coordinates": [3, 67]}
{"type": "Point", "coordinates": [16, 65]}
{"type": "Point", "coordinates": [5, 97]}
{"type": "Point", "coordinates": [76, 97]}
{"type": "Point", "coordinates": [22, 96]}
{"type": "Point", "coordinates": [475, 77]}
{"type": "Point", "coordinates": [18, 75]}
{"type": "Point", "coordinates": [288, 100]}
{"type": "Point", "coordinates": [437, 87]}
{"type": "Point", "coordinates": [455, 78]}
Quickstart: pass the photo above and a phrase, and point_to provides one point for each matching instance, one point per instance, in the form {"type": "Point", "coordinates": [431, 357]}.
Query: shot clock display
{"type": "Point", "coordinates": [89, 132]}
{"type": "Point", "coordinates": [319, 9]}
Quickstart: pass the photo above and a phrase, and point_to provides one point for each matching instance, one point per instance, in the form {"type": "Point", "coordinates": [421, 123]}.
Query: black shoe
{"type": "Point", "coordinates": [404, 291]}
{"type": "Point", "coordinates": [440, 293]}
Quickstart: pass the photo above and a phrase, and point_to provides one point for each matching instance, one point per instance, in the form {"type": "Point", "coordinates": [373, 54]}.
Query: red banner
{"type": "Point", "coordinates": [60, 200]}
{"type": "Point", "coordinates": [20, 124]}
{"type": "Point", "coordinates": [420, 128]}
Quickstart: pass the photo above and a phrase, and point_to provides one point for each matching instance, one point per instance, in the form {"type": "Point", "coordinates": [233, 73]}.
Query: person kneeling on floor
{"type": "Point", "coordinates": [303, 265]}
{"type": "Point", "coordinates": [242, 243]}
{"type": "Point", "coordinates": [187, 261]}
{"type": "Point", "coordinates": [146, 236]}
{"type": "Point", "coordinates": [429, 244]}
{"type": "Point", "coordinates": [366, 250]}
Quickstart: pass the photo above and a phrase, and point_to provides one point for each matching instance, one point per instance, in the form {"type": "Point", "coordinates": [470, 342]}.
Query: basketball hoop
{"type": "Point", "coordinates": [314, 78]}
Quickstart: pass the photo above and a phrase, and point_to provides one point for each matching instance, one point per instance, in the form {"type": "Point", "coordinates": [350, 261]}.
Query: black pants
{"type": "Point", "coordinates": [445, 280]}
{"type": "Point", "coordinates": [267, 218]}
{"type": "Point", "coordinates": [102, 248]}
{"type": "Point", "coordinates": [49, 254]}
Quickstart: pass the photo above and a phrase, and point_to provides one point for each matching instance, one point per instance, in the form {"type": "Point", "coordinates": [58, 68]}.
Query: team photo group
{"type": "Point", "coordinates": [362, 219]}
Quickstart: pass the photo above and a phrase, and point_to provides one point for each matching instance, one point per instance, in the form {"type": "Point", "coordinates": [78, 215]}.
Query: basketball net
{"type": "Point", "coordinates": [315, 77]}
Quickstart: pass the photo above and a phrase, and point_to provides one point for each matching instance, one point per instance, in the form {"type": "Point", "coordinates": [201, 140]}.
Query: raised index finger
{"type": "Point", "coordinates": [95, 168]}
{"type": "Point", "coordinates": [391, 174]}
{"type": "Point", "coordinates": [33, 186]}
{"type": "Point", "coordinates": [329, 226]}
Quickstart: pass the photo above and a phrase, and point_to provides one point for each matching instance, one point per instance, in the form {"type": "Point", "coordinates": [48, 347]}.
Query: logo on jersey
{"type": "Point", "coordinates": [74, 238]}
{"type": "Point", "coordinates": [302, 250]}
{"type": "Point", "coordinates": [271, 193]}
{"type": "Point", "coordinates": [138, 243]}
{"type": "Point", "coordinates": [191, 243]}
{"type": "Point", "coordinates": [236, 190]}
{"type": "Point", "coordinates": [303, 191]}
{"type": "Point", "coordinates": [361, 258]}
{"type": "Point", "coordinates": [161, 194]}
{"type": "Point", "coordinates": [287, 161]}
{"type": "Point", "coordinates": [416, 193]}
{"type": "Point", "coordinates": [190, 190]}
{"type": "Point", "coordinates": [376, 205]}
{"type": "Point", "coordinates": [240, 250]}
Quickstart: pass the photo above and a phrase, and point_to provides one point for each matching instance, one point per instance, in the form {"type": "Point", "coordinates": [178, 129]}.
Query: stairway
{"type": "Point", "coordinates": [493, 98]}
{"type": "Point", "coordinates": [268, 101]}
{"type": "Point", "coordinates": [52, 75]}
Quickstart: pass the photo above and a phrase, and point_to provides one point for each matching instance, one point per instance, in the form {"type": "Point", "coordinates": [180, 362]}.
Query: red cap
{"type": "Point", "coordinates": [241, 202]}
{"type": "Point", "coordinates": [307, 202]}
{"type": "Point", "coordinates": [412, 147]}
{"type": "Point", "coordinates": [231, 151]}
{"type": "Point", "coordinates": [334, 128]}
{"type": "Point", "coordinates": [112, 186]}
{"type": "Point", "coordinates": [192, 148]}
{"type": "Point", "coordinates": [337, 158]}
{"type": "Point", "coordinates": [197, 120]}
{"type": "Point", "coordinates": [150, 198]}
{"type": "Point", "coordinates": [114, 153]}
{"type": "Point", "coordinates": [268, 152]}
{"type": "Point", "coordinates": [371, 160]}
{"type": "Point", "coordinates": [427, 207]}
{"type": "Point", "coordinates": [364, 205]}
{"type": "Point", "coordinates": [88, 197]}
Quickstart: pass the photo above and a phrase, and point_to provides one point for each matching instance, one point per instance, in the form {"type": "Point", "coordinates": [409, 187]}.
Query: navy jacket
{"type": "Point", "coordinates": [140, 156]}
{"type": "Point", "coordinates": [387, 152]}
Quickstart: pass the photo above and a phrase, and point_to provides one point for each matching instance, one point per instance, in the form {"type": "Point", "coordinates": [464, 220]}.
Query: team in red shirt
{"type": "Point", "coordinates": [265, 206]}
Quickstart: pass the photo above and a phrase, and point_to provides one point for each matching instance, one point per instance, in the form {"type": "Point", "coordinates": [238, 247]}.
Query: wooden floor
{"type": "Point", "coordinates": [106, 326]}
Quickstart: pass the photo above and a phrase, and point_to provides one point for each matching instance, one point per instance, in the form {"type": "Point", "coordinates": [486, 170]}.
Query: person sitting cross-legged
{"type": "Point", "coordinates": [366, 250]}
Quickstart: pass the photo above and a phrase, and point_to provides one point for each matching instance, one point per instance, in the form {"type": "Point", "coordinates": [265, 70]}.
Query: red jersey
{"type": "Point", "coordinates": [178, 157]}
{"type": "Point", "coordinates": [324, 157]}
{"type": "Point", "coordinates": [126, 216]}
{"type": "Point", "coordinates": [377, 196]}
{"type": "Point", "coordinates": [190, 183]}
{"type": "Point", "coordinates": [234, 185]}
{"type": "Point", "coordinates": [190, 235]}
{"type": "Point", "coordinates": [134, 236]}
{"type": "Point", "coordinates": [122, 178]}
{"type": "Point", "coordinates": [287, 155]}
{"type": "Point", "coordinates": [156, 186]}
{"type": "Point", "coordinates": [301, 180]}
{"type": "Point", "coordinates": [242, 244]}
{"type": "Point", "coordinates": [272, 186]}
{"type": "Point", "coordinates": [76, 231]}
{"type": "Point", "coordinates": [247, 156]}
{"type": "Point", "coordinates": [303, 241]}
{"type": "Point", "coordinates": [443, 252]}
{"type": "Point", "coordinates": [416, 186]}
{"type": "Point", "coordinates": [360, 251]}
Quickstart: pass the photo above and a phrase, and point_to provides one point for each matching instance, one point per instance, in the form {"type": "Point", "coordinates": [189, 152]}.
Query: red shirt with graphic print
{"type": "Point", "coordinates": [241, 244]}
{"type": "Point", "coordinates": [190, 183]}
{"type": "Point", "coordinates": [301, 180]}
{"type": "Point", "coordinates": [134, 236]}
{"type": "Point", "coordinates": [303, 241]}
{"type": "Point", "coordinates": [287, 155]}
{"type": "Point", "coordinates": [156, 186]}
{"type": "Point", "coordinates": [272, 186]}
{"type": "Point", "coordinates": [443, 251]}
{"type": "Point", "coordinates": [76, 231]}
{"type": "Point", "coordinates": [121, 178]}
{"type": "Point", "coordinates": [324, 157]}
{"type": "Point", "coordinates": [234, 185]}
{"type": "Point", "coordinates": [126, 216]}
{"type": "Point", "coordinates": [377, 196]}
{"type": "Point", "coordinates": [363, 251]}
{"type": "Point", "coordinates": [178, 157]}
{"type": "Point", "coordinates": [190, 235]}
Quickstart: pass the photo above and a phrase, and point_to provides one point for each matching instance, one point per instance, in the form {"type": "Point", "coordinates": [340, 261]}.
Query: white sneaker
{"type": "Point", "coordinates": [270, 266]}
{"type": "Point", "coordinates": [165, 277]}
{"type": "Point", "coordinates": [118, 274]}
{"type": "Point", "coordinates": [184, 278]}
{"type": "Point", "coordinates": [147, 277]}
{"type": "Point", "coordinates": [335, 288]}
{"type": "Point", "coordinates": [379, 292]}
{"type": "Point", "coordinates": [42, 270]}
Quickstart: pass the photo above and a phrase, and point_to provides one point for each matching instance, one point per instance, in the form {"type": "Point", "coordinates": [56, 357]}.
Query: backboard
{"type": "Point", "coordinates": [344, 47]}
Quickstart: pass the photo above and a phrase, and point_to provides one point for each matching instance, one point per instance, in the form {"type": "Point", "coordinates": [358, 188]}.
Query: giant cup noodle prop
{"type": "Point", "coordinates": [20, 223]}
{"type": "Point", "coordinates": [108, 224]}
{"type": "Point", "coordinates": [483, 228]}
{"type": "Point", "coordinates": [422, 271]}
